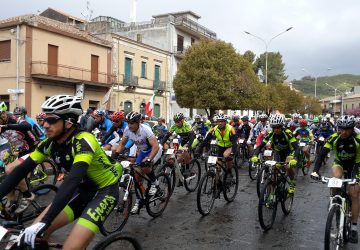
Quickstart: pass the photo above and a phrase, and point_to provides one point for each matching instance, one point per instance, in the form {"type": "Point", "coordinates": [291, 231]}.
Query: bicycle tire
{"type": "Point", "coordinates": [195, 169]}
{"type": "Point", "coordinates": [239, 157]}
{"type": "Point", "coordinates": [334, 212]}
{"type": "Point", "coordinates": [254, 170]}
{"type": "Point", "coordinates": [207, 179]}
{"type": "Point", "coordinates": [119, 215]}
{"type": "Point", "coordinates": [170, 171]}
{"type": "Point", "coordinates": [235, 185]}
{"type": "Point", "coordinates": [162, 195]}
{"type": "Point", "coordinates": [115, 240]}
{"type": "Point", "coordinates": [267, 200]}
{"type": "Point", "coordinates": [261, 178]}
{"type": "Point", "coordinates": [45, 173]}
{"type": "Point", "coordinates": [287, 200]}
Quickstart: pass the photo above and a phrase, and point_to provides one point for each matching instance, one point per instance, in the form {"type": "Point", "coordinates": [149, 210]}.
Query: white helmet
{"type": "Point", "coordinates": [277, 119]}
{"type": "Point", "coordinates": [63, 105]}
{"type": "Point", "coordinates": [197, 117]}
{"type": "Point", "coordinates": [221, 117]}
{"type": "Point", "coordinates": [263, 116]}
{"type": "Point", "coordinates": [346, 121]}
{"type": "Point", "coordinates": [295, 115]}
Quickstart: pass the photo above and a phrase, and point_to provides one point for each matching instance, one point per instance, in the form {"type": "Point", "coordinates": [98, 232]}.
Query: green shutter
{"type": "Point", "coordinates": [127, 106]}
{"type": "Point", "coordinates": [143, 69]}
{"type": "Point", "coordinates": [128, 71]}
{"type": "Point", "coordinates": [156, 76]}
{"type": "Point", "coordinates": [157, 110]}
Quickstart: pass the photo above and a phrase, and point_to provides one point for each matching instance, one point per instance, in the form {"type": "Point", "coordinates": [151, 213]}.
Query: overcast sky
{"type": "Point", "coordinates": [325, 33]}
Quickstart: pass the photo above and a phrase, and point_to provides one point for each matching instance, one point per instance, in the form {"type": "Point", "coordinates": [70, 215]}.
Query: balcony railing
{"type": "Point", "coordinates": [70, 73]}
{"type": "Point", "coordinates": [130, 81]}
{"type": "Point", "coordinates": [180, 51]}
{"type": "Point", "coordinates": [194, 26]}
{"type": "Point", "coordinates": [159, 86]}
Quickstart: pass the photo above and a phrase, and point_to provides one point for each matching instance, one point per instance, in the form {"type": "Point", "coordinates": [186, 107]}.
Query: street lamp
{"type": "Point", "coordinates": [266, 48]}
{"type": "Point", "coordinates": [316, 76]}
{"type": "Point", "coordinates": [341, 104]}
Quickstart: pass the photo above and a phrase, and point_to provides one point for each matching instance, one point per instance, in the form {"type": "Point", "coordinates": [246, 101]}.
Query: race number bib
{"type": "Point", "coordinates": [170, 151]}
{"type": "Point", "coordinates": [212, 160]}
{"type": "Point", "coordinates": [335, 183]}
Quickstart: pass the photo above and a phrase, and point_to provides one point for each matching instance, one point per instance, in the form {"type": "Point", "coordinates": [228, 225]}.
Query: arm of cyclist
{"type": "Point", "coordinates": [107, 135]}
{"type": "Point", "coordinates": [24, 126]}
{"type": "Point", "coordinates": [113, 139]}
{"type": "Point", "coordinates": [154, 147]}
{"type": "Point", "coordinates": [206, 141]}
{"type": "Point", "coordinates": [120, 148]}
{"type": "Point", "coordinates": [166, 137]}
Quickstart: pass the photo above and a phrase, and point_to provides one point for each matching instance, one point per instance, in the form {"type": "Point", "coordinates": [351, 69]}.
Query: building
{"type": "Point", "coordinates": [341, 104]}
{"type": "Point", "coordinates": [140, 69]}
{"type": "Point", "coordinates": [173, 32]}
{"type": "Point", "coordinates": [41, 57]}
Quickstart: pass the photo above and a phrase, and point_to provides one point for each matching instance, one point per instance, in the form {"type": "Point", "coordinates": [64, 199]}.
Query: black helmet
{"type": "Point", "coordinates": [20, 111]}
{"type": "Point", "coordinates": [178, 117]}
{"type": "Point", "coordinates": [133, 117]}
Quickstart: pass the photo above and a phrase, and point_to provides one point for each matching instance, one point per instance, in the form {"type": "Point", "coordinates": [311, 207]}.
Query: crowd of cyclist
{"type": "Point", "coordinates": [78, 143]}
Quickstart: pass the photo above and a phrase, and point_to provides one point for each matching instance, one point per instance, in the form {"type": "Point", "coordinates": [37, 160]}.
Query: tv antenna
{"type": "Point", "coordinates": [87, 14]}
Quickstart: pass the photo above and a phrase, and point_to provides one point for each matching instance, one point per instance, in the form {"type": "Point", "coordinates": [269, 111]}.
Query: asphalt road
{"type": "Point", "coordinates": [233, 225]}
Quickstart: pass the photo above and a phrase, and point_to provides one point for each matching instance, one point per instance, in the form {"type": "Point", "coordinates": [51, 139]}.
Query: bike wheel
{"type": "Point", "coordinates": [118, 240]}
{"type": "Point", "coordinates": [170, 172]}
{"type": "Point", "coordinates": [261, 179]}
{"type": "Point", "coordinates": [254, 169]}
{"type": "Point", "coordinates": [239, 157]}
{"type": "Point", "coordinates": [267, 205]}
{"type": "Point", "coordinates": [156, 204]}
{"type": "Point", "coordinates": [119, 216]}
{"type": "Point", "coordinates": [206, 193]}
{"type": "Point", "coordinates": [287, 199]}
{"type": "Point", "coordinates": [44, 195]}
{"type": "Point", "coordinates": [305, 169]}
{"type": "Point", "coordinates": [230, 189]}
{"type": "Point", "coordinates": [192, 181]}
{"type": "Point", "coordinates": [332, 229]}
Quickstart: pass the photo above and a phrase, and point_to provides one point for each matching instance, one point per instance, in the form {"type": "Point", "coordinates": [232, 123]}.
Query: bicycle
{"type": "Point", "coordinates": [118, 240]}
{"type": "Point", "coordinates": [155, 205]}
{"type": "Point", "coordinates": [264, 169]}
{"type": "Point", "coordinates": [213, 182]}
{"type": "Point", "coordinates": [302, 159]}
{"type": "Point", "coordinates": [242, 153]}
{"type": "Point", "coordinates": [44, 173]}
{"type": "Point", "coordinates": [173, 167]}
{"type": "Point", "coordinates": [338, 222]}
{"type": "Point", "coordinates": [319, 144]}
{"type": "Point", "coordinates": [254, 168]}
{"type": "Point", "coordinates": [274, 190]}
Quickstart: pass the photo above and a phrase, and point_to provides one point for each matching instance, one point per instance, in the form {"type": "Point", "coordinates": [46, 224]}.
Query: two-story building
{"type": "Point", "coordinates": [140, 69]}
{"type": "Point", "coordinates": [41, 57]}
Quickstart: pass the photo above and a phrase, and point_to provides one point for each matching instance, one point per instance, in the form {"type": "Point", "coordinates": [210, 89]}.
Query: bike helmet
{"type": "Point", "coordinates": [3, 107]}
{"type": "Point", "coordinates": [295, 115]}
{"type": "Point", "coordinates": [178, 117]}
{"type": "Point", "coordinates": [99, 112]}
{"type": "Point", "coordinates": [119, 115]}
{"type": "Point", "coordinates": [221, 117]}
{"type": "Point", "coordinates": [316, 120]}
{"type": "Point", "coordinates": [40, 116]}
{"type": "Point", "coordinates": [303, 123]}
{"type": "Point", "coordinates": [245, 118]}
{"type": "Point", "coordinates": [133, 117]}
{"type": "Point", "coordinates": [346, 121]}
{"type": "Point", "coordinates": [20, 111]}
{"type": "Point", "coordinates": [263, 117]}
{"type": "Point", "coordinates": [197, 117]}
{"type": "Point", "coordinates": [236, 118]}
{"type": "Point", "coordinates": [63, 105]}
{"type": "Point", "coordinates": [324, 120]}
{"type": "Point", "coordinates": [277, 119]}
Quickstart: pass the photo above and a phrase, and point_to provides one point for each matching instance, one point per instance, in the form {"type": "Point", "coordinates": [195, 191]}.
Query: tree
{"type": "Point", "coordinates": [276, 67]}
{"type": "Point", "coordinates": [311, 106]}
{"type": "Point", "coordinates": [250, 57]}
{"type": "Point", "coordinates": [213, 76]}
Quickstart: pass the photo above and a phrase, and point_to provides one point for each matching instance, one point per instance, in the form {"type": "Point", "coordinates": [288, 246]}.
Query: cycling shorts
{"type": "Point", "coordinates": [142, 155]}
{"type": "Point", "coordinates": [92, 207]}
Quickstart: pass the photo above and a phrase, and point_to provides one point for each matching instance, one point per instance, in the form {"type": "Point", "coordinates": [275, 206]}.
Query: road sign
{"type": "Point", "coordinates": [15, 91]}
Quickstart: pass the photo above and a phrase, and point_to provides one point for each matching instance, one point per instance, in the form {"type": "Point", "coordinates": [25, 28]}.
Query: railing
{"type": "Point", "coordinates": [180, 51]}
{"type": "Point", "coordinates": [131, 81]}
{"type": "Point", "coordinates": [70, 72]}
{"type": "Point", "coordinates": [183, 21]}
{"type": "Point", "coordinates": [159, 85]}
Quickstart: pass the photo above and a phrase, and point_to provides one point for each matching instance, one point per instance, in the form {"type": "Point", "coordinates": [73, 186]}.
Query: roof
{"type": "Point", "coordinates": [68, 15]}
{"type": "Point", "coordinates": [51, 25]}
{"type": "Point", "coordinates": [181, 13]}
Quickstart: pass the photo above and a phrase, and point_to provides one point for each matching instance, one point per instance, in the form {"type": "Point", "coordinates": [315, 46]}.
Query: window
{"type": "Point", "coordinates": [156, 76]}
{"type": "Point", "coordinates": [5, 50]}
{"type": "Point", "coordinates": [127, 106]}
{"type": "Point", "coordinates": [128, 70]}
{"type": "Point", "coordinates": [52, 59]}
{"type": "Point", "coordinates": [352, 106]}
{"type": "Point", "coordinates": [139, 38]}
{"type": "Point", "coordinates": [143, 69]}
{"type": "Point", "coordinates": [180, 43]}
{"type": "Point", "coordinates": [94, 68]}
{"type": "Point", "coordinates": [142, 109]}
{"type": "Point", "coordinates": [192, 41]}
{"type": "Point", "coordinates": [346, 106]}
{"type": "Point", "coordinates": [157, 110]}
{"type": "Point", "coordinates": [93, 104]}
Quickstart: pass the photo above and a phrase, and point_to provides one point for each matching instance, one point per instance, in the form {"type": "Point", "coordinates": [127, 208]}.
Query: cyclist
{"type": "Point", "coordinates": [236, 123]}
{"type": "Point", "coordinates": [90, 191]}
{"type": "Point", "coordinates": [260, 126]}
{"type": "Point", "coordinates": [84, 118]}
{"type": "Point", "coordinates": [206, 121]}
{"type": "Point", "coordinates": [245, 130]}
{"type": "Point", "coordinates": [21, 136]}
{"type": "Point", "coordinates": [284, 144]}
{"type": "Point", "coordinates": [184, 130]}
{"type": "Point", "coordinates": [160, 129]}
{"type": "Point", "coordinates": [357, 125]}
{"type": "Point", "coordinates": [21, 114]}
{"type": "Point", "coordinates": [325, 129]}
{"type": "Point", "coordinates": [304, 134]}
{"type": "Point", "coordinates": [101, 122]}
{"type": "Point", "coordinates": [40, 121]}
{"type": "Point", "coordinates": [346, 147]}
{"type": "Point", "coordinates": [199, 126]}
{"type": "Point", "coordinates": [315, 125]}
{"type": "Point", "coordinates": [294, 123]}
{"type": "Point", "coordinates": [149, 152]}
{"type": "Point", "coordinates": [112, 137]}
{"type": "Point", "coordinates": [225, 141]}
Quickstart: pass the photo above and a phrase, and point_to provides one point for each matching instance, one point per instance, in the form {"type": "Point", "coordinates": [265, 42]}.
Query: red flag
{"type": "Point", "coordinates": [149, 108]}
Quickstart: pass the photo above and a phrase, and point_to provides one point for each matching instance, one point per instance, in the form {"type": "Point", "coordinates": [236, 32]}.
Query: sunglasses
{"type": "Point", "coordinates": [116, 121]}
{"type": "Point", "coordinates": [52, 120]}
{"type": "Point", "coordinates": [276, 126]}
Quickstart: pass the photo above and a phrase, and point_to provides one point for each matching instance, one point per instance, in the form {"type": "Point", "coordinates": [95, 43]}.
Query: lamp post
{"type": "Point", "coordinates": [336, 89]}
{"type": "Point", "coordinates": [316, 76]}
{"type": "Point", "coordinates": [266, 48]}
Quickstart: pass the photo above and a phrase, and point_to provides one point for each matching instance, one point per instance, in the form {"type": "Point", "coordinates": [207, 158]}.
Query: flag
{"type": "Point", "coordinates": [149, 108]}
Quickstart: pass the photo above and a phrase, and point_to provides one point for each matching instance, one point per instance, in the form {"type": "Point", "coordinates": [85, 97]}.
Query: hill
{"type": "Point", "coordinates": [343, 83]}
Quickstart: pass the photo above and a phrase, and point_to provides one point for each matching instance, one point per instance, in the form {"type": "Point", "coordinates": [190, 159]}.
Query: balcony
{"type": "Point", "coordinates": [66, 73]}
{"type": "Point", "coordinates": [192, 27]}
{"type": "Point", "coordinates": [180, 51]}
{"type": "Point", "coordinates": [159, 86]}
{"type": "Point", "coordinates": [130, 82]}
